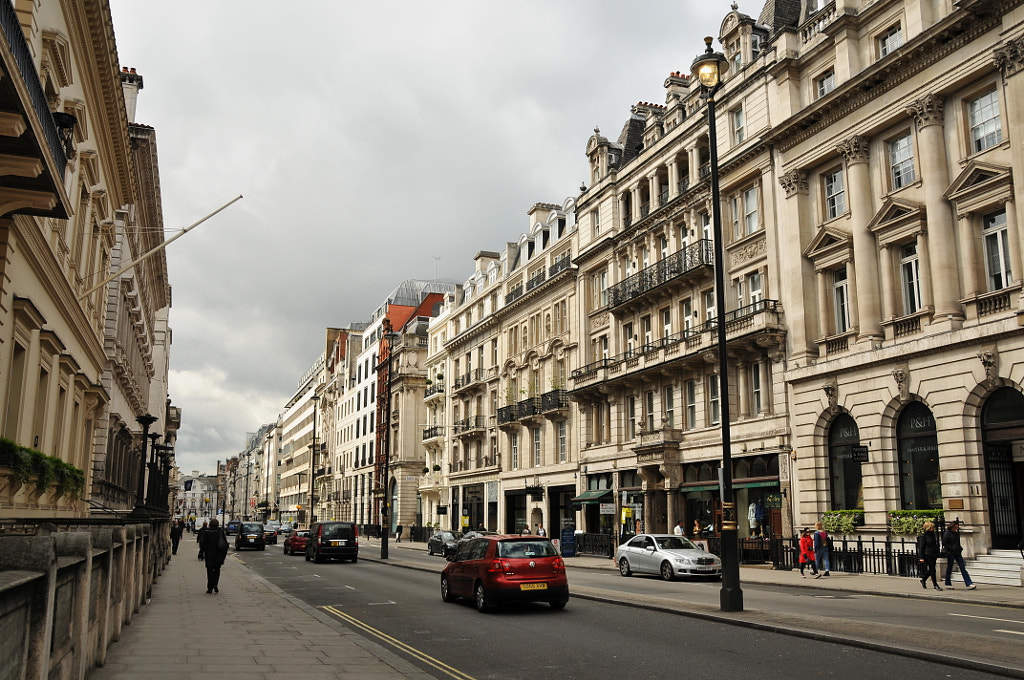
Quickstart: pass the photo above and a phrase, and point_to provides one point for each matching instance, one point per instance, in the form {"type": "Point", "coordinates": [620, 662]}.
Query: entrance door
{"type": "Point", "coordinates": [1002, 423]}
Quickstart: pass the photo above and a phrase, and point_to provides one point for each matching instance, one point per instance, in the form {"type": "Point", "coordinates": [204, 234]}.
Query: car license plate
{"type": "Point", "coordinates": [703, 568]}
{"type": "Point", "coordinates": [337, 543]}
{"type": "Point", "coordinates": [533, 586]}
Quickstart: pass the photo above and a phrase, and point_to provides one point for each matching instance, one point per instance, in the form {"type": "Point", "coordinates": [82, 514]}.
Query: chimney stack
{"type": "Point", "coordinates": [131, 83]}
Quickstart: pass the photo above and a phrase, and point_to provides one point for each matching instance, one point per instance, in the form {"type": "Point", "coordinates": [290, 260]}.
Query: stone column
{"type": "Point", "coordinates": [869, 313]}
{"type": "Point", "coordinates": [927, 113]}
{"type": "Point", "coordinates": [653, 190]}
{"type": "Point", "coordinates": [888, 288]}
{"type": "Point", "coordinates": [673, 177]}
{"type": "Point", "coordinates": [969, 256]}
{"type": "Point", "coordinates": [694, 166]}
{"type": "Point", "coordinates": [824, 288]}
{"type": "Point", "coordinates": [1013, 241]}
{"type": "Point", "coordinates": [648, 511]}
{"type": "Point", "coordinates": [797, 296]}
{"type": "Point", "coordinates": [743, 387]}
{"type": "Point", "coordinates": [923, 254]}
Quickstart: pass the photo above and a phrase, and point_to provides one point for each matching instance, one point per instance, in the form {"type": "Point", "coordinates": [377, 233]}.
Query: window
{"type": "Point", "coordinates": [536, 447]}
{"type": "Point", "coordinates": [714, 405]}
{"type": "Point", "coordinates": [649, 407]}
{"type": "Point", "coordinates": [709, 305]}
{"type": "Point", "coordinates": [670, 407]}
{"type": "Point", "coordinates": [825, 83]}
{"type": "Point", "coordinates": [648, 331]}
{"type": "Point", "coordinates": [631, 417]}
{"type": "Point", "coordinates": [751, 221]}
{"type": "Point", "coordinates": [846, 475]}
{"type": "Point", "coordinates": [841, 297]}
{"type": "Point", "coordinates": [600, 347]}
{"type": "Point", "coordinates": [686, 310]}
{"type": "Point", "coordinates": [755, 291]}
{"type": "Point", "coordinates": [595, 223]}
{"type": "Point", "coordinates": [997, 253]}
{"type": "Point", "coordinates": [514, 445]}
{"type": "Point", "coordinates": [755, 388]}
{"type": "Point", "coordinates": [691, 404]}
{"type": "Point", "coordinates": [706, 228]}
{"type": "Point", "coordinates": [910, 275]}
{"type": "Point", "coordinates": [918, 447]}
{"type": "Point", "coordinates": [986, 128]}
{"type": "Point", "coordinates": [738, 125]}
{"type": "Point", "coordinates": [627, 338]}
{"type": "Point", "coordinates": [890, 40]}
{"type": "Point", "coordinates": [835, 194]}
{"type": "Point", "coordinates": [901, 161]}
{"type": "Point", "coordinates": [563, 438]}
{"type": "Point", "coordinates": [599, 290]}
{"type": "Point", "coordinates": [666, 322]}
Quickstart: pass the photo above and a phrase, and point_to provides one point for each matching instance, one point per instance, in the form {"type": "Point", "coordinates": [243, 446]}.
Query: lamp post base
{"type": "Point", "coordinates": [731, 597]}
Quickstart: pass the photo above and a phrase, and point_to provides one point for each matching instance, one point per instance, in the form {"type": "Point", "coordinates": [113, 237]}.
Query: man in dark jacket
{"type": "Point", "coordinates": [177, 529]}
{"type": "Point", "coordinates": [954, 553]}
{"type": "Point", "coordinates": [214, 546]}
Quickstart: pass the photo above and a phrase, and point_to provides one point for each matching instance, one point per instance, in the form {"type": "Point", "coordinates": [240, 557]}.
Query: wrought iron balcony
{"type": "Point", "coordinates": [535, 280]}
{"type": "Point", "coordinates": [514, 294]}
{"type": "Point", "coordinates": [436, 388]}
{"type": "Point", "coordinates": [691, 258]}
{"type": "Point", "coordinates": [433, 432]}
{"type": "Point", "coordinates": [529, 407]}
{"type": "Point", "coordinates": [555, 400]}
{"type": "Point", "coordinates": [560, 265]}
{"type": "Point", "coordinates": [470, 425]}
{"type": "Point", "coordinates": [468, 379]}
{"type": "Point", "coordinates": [508, 414]}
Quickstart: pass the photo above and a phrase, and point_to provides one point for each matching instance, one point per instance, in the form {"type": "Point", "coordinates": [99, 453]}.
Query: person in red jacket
{"type": "Point", "coordinates": [807, 553]}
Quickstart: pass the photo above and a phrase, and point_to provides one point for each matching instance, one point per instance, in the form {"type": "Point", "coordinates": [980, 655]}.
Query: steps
{"type": "Point", "coordinates": [997, 568]}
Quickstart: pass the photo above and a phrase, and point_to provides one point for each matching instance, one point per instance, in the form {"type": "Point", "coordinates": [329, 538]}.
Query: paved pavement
{"type": "Point", "coordinates": [184, 631]}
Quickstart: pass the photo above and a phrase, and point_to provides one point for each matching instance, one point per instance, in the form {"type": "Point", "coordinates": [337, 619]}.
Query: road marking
{"type": "Point", "coordinates": [401, 646]}
{"type": "Point", "coordinates": [988, 618]}
{"type": "Point", "coordinates": [1011, 632]}
{"type": "Point", "coordinates": [374, 604]}
{"type": "Point", "coordinates": [350, 587]}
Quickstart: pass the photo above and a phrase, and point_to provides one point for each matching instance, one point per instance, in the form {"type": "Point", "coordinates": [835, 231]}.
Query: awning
{"type": "Point", "coordinates": [592, 496]}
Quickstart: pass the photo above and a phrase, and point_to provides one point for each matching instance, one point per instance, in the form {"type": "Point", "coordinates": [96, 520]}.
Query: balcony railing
{"type": "Point", "coordinates": [535, 280]}
{"type": "Point", "coordinates": [529, 407]}
{"type": "Point", "coordinates": [514, 294]}
{"type": "Point", "coordinates": [508, 414]}
{"type": "Point", "coordinates": [470, 424]}
{"type": "Point", "coordinates": [694, 256]}
{"type": "Point", "coordinates": [432, 432]}
{"type": "Point", "coordinates": [466, 379]}
{"type": "Point", "coordinates": [559, 266]}
{"type": "Point", "coordinates": [437, 388]}
{"type": "Point", "coordinates": [554, 400]}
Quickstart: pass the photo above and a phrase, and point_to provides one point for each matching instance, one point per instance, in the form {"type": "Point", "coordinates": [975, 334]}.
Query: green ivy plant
{"type": "Point", "coordinates": [44, 468]}
{"type": "Point", "coordinates": [842, 521]}
{"type": "Point", "coordinates": [70, 481]}
{"type": "Point", "coordinates": [25, 463]}
{"type": "Point", "coordinates": [911, 522]}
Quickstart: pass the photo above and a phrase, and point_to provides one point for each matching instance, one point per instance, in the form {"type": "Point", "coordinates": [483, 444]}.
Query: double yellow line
{"type": "Point", "coordinates": [399, 645]}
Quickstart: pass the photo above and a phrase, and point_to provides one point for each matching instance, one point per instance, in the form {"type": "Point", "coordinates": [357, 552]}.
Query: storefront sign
{"type": "Point", "coordinates": [568, 542]}
{"type": "Point", "coordinates": [607, 508]}
{"type": "Point", "coordinates": [773, 500]}
{"type": "Point", "coordinates": [859, 454]}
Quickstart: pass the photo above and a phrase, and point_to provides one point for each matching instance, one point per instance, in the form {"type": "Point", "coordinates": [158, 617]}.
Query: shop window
{"type": "Point", "coordinates": [847, 484]}
{"type": "Point", "coordinates": [919, 458]}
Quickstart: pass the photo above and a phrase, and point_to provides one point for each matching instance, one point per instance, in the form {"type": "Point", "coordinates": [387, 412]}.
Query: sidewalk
{"type": "Point", "coordinates": [251, 630]}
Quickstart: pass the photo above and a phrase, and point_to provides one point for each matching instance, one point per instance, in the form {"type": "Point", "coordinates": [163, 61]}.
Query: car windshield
{"type": "Point", "coordinates": [249, 526]}
{"type": "Point", "coordinates": [332, 530]}
{"type": "Point", "coordinates": [676, 543]}
{"type": "Point", "coordinates": [526, 548]}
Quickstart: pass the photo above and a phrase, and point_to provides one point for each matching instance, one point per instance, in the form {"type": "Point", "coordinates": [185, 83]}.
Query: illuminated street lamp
{"type": "Point", "coordinates": [709, 68]}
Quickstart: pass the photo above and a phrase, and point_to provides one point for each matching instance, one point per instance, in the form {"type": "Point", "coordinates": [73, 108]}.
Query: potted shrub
{"type": "Point", "coordinates": [842, 521]}
{"type": "Point", "coordinates": [910, 522]}
{"type": "Point", "coordinates": [437, 468]}
{"type": "Point", "coordinates": [426, 470]}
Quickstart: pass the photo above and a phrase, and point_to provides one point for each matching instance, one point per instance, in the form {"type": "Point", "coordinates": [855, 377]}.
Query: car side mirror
{"type": "Point", "coordinates": [649, 548]}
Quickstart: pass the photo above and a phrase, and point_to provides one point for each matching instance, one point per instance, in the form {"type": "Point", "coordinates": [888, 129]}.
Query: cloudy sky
{"type": "Point", "coordinates": [367, 138]}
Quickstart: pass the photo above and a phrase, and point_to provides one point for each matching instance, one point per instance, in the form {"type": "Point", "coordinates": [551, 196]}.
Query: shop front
{"type": "Point", "coordinates": [756, 491]}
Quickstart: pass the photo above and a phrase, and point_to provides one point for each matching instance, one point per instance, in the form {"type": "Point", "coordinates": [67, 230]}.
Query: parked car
{"type": "Point", "coordinates": [250, 535]}
{"type": "Point", "coordinates": [443, 542]}
{"type": "Point", "coordinates": [296, 543]}
{"type": "Point", "coordinates": [233, 526]}
{"type": "Point", "coordinates": [333, 540]}
{"type": "Point", "coordinates": [497, 569]}
{"type": "Point", "coordinates": [667, 555]}
{"type": "Point", "coordinates": [270, 530]}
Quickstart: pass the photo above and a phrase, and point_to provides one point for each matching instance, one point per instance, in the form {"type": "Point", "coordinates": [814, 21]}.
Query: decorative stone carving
{"type": "Point", "coordinates": [794, 182]}
{"type": "Point", "coordinates": [599, 321]}
{"type": "Point", "coordinates": [1010, 57]}
{"type": "Point", "coordinates": [901, 376]}
{"type": "Point", "coordinates": [927, 111]}
{"type": "Point", "coordinates": [855, 149]}
{"type": "Point", "coordinates": [990, 360]}
{"type": "Point", "coordinates": [748, 252]}
{"type": "Point", "coordinates": [832, 394]}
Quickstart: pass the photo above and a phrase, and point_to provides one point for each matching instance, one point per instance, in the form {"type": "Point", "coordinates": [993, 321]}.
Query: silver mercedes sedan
{"type": "Point", "coordinates": [668, 555]}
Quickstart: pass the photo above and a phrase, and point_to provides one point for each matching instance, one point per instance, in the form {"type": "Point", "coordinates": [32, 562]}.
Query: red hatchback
{"type": "Point", "coordinates": [296, 542]}
{"type": "Point", "coordinates": [496, 569]}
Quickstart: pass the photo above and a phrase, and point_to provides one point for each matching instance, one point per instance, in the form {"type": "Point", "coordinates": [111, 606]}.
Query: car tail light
{"type": "Point", "coordinates": [355, 534]}
{"type": "Point", "coordinates": [498, 565]}
{"type": "Point", "coordinates": [558, 564]}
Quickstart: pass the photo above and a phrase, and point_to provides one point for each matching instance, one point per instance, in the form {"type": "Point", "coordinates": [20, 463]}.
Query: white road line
{"type": "Point", "coordinates": [988, 618]}
{"type": "Point", "coordinates": [1011, 632]}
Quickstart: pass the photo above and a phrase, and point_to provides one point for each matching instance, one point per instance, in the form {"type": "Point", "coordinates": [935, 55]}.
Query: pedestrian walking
{"type": "Point", "coordinates": [412, 532]}
{"type": "Point", "coordinates": [680, 529]}
{"type": "Point", "coordinates": [927, 554]}
{"type": "Point", "coordinates": [177, 529]}
{"type": "Point", "coordinates": [807, 553]}
{"type": "Point", "coordinates": [199, 539]}
{"type": "Point", "coordinates": [215, 550]}
{"type": "Point", "coordinates": [398, 533]}
{"type": "Point", "coordinates": [821, 545]}
{"type": "Point", "coordinates": [954, 553]}
{"type": "Point", "coordinates": [541, 531]}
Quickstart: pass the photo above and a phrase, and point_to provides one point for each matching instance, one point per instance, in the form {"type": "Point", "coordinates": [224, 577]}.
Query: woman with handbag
{"type": "Point", "coordinates": [954, 554]}
{"type": "Point", "coordinates": [927, 554]}
{"type": "Point", "coordinates": [214, 547]}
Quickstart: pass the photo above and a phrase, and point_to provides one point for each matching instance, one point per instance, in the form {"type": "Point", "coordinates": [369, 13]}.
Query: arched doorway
{"type": "Point", "coordinates": [919, 458]}
{"type": "Point", "coordinates": [1002, 433]}
{"type": "Point", "coordinates": [847, 485]}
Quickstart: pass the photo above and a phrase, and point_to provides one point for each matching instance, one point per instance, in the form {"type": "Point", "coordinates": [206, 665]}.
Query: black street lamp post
{"type": "Point", "coordinates": [313, 461]}
{"type": "Point", "coordinates": [709, 69]}
{"type": "Point", "coordinates": [384, 402]}
{"type": "Point", "coordinates": [153, 482]}
{"type": "Point", "coordinates": [145, 421]}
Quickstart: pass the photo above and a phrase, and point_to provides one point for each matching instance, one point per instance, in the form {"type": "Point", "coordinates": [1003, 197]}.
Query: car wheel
{"type": "Point", "coordinates": [430, 551]}
{"type": "Point", "coordinates": [446, 590]}
{"type": "Point", "coordinates": [317, 558]}
{"type": "Point", "coordinates": [667, 573]}
{"type": "Point", "coordinates": [624, 567]}
{"type": "Point", "coordinates": [286, 550]}
{"type": "Point", "coordinates": [355, 558]}
{"type": "Point", "coordinates": [262, 548]}
{"type": "Point", "coordinates": [307, 554]}
{"type": "Point", "coordinates": [482, 605]}
{"type": "Point", "coordinates": [559, 604]}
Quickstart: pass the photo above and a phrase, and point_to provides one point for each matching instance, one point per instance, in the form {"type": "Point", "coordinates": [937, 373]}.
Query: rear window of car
{"type": "Point", "coordinates": [335, 530]}
{"type": "Point", "coordinates": [526, 548]}
{"type": "Point", "coordinates": [250, 526]}
{"type": "Point", "coordinates": [303, 533]}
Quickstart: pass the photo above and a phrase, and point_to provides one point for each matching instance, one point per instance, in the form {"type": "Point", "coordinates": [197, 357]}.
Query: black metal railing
{"type": "Point", "coordinates": [694, 256]}
{"type": "Point", "coordinates": [15, 35]}
{"type": "Point", "coordinates": [535, 280]}
{"type": "Point", "coordinates": [432, 432]}
{"type": "Point", "coordinates": [554, 400]}
{"type": "Point", "coordinates": [559, 266]}
{"type": "Point", "coordinates": [514, 294]}
{"type": "Point", "coordinates": [531, 406]}
{"type": "Point", "coordinates": [469, 424]}
{"type": "Point", "coordinates": [595, 544]}
{"type": "Point", "coordinates": [466, 379]}
{"type": "Point", "coordinates": [508, 414]}
{"type": "Point", "coordinates": [433, 389]}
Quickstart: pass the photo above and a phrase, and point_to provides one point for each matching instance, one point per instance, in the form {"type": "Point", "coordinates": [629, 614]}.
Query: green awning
{"type": "Point", "coordinates": [591, 496]}
{"type": "Point", "coordinates": [705, 487]}
{"type": "Point", "coordinates": [751, 485]}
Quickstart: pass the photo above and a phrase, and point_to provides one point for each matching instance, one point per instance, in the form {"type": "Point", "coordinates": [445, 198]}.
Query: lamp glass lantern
{"type": "Point", "coordinates": [708, 68]}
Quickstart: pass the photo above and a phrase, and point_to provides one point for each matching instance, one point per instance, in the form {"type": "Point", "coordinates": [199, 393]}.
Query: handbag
{"type": "Point", "coordinates": [222, 544]}
{"type": "Point", "coordinates": [943, 552]}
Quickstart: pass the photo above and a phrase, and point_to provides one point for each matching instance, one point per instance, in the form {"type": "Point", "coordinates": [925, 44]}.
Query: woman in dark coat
{"type": "Point", "coordinates": [214, 554]}
{"type": "Point", "coordinates": [954, 555]}
{"type": "Point", "coordinates": [927, 554]}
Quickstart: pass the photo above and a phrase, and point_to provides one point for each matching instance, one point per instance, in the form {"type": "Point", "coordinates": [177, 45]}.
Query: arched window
{"type": "Point", "coordinates": [847, 483]}
{"type": "Point", "coordinates": [919, 458]}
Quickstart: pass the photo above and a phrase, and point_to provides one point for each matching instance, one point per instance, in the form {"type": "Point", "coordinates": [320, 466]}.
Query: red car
{"type": "Point", "coordinates": [296, 542]}
{"type": "Point", "coordinates": [496, 569]}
